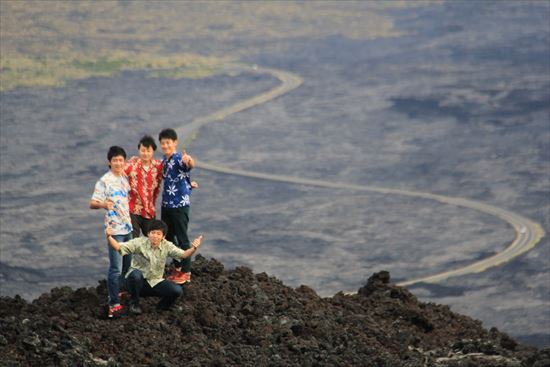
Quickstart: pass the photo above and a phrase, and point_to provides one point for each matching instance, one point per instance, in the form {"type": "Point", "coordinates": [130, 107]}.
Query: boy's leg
{"type": "Point", "coordinates": [140, 223]}
{"type": "Point", "coordinates": [169, 293]}
{"type": "Point", "coordinates": [135, 284]}
{"type": "Point", "coordinates": [126, 262]}
{"type": "Point", "coordinates": [180, 223]}
{"type": "Point", "coordinates": [113, 276]}
{"type": "Point", "coordinates": [136, 225]}
{"type": "Point", "coordinates": [139, 287]}
{"type": "Point", "coordinates": [126, 259]}
{"type": "Point", "coordinates": [177, 220]}
{"type": "Point", "coordinates": [166, 216]}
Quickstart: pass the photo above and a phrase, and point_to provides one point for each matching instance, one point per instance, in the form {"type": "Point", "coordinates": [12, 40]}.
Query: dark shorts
{"type": "Point", "coordinates": [139, 223]}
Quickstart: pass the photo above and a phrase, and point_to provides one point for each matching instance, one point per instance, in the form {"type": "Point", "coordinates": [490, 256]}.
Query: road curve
{"type": "Point", "coordinates": [528, 232]}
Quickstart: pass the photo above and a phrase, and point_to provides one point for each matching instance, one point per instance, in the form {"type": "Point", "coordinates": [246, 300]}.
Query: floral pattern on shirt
{"type": "Point", "coordinates": [176, 191]}
{"type": "Point", "coordinates": [116, 189]}
{"type": "Point", "coordinates": [144, 186]}
{"type": "Point", "coordinates": [149, 260]}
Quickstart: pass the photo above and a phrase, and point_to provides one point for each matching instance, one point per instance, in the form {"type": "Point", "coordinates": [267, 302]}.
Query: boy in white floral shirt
{"type": "Point", "coordinates": [111, 194]}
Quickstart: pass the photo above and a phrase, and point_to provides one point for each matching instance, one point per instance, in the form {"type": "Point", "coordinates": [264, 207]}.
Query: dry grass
{"type": "Point", "coordinates": [22, 70]}
{"type": "Point", "coordinates": [45, 43]}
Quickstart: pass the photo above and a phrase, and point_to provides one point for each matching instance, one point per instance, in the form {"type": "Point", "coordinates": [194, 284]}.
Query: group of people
{"type": "Point", "coordinates": [128, 193]}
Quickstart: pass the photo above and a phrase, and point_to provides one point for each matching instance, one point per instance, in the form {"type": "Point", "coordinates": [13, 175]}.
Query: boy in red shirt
{"type": "Point", "coordinates": [144, 176]}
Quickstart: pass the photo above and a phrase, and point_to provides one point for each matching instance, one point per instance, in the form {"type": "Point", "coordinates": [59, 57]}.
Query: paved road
{"type": "Point", "coordinates": [528, 232]}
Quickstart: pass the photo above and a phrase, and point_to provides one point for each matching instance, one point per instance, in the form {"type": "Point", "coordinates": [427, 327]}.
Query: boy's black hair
{"type": "Point", "coordinates": [168, 134]}
{"type": "Point", "coordinates": [157, 224]}
{"type": "Point", "coordinates": [115, 151]}
{"type": "Point", "coordinates": [148, 142]}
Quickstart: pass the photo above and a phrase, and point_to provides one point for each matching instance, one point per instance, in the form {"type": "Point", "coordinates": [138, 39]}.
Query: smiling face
{"type": "Point", "coordinates": [117, 164]}
{"type": "Point", "coordinates": [146, 154]}
{"type": "Point", "coordinates": [156, 236]}
{"type": "Point", "coordinates": [168, 146]}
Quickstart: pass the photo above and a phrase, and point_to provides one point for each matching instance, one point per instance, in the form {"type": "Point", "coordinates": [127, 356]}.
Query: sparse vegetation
{"type": "Point", "coordinates": [45, 43]}
{"type": "Point", "coordinates": [22, 70]}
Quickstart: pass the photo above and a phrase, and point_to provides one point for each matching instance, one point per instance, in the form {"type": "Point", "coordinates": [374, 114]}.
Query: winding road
{"type": "Point", "coordinates": [528, 232]}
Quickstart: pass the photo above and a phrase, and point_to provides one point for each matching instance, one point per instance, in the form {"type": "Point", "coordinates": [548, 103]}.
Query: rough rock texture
{"type": "Point", "coordinates": [237, 318]}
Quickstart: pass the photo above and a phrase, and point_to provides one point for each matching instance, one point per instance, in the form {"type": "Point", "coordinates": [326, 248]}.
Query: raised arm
{"type": "Point", "coordinates": [194, 247]}
{"type": "Point", "coordinates": [188, 160]}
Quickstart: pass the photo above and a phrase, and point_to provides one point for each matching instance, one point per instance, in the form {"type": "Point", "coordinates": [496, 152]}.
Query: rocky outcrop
{"type": "Point", "coordinates": [238, 318]}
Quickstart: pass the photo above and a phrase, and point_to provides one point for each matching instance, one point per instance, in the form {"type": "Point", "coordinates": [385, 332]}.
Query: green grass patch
{"type": "Point", "coordinates": [102, 65]}
{"type": "Point", "coordinates": [26, 71]}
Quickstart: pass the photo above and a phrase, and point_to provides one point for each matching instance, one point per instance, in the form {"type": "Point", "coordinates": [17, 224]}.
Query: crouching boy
{"type": "Point", "coordinates": [145, 276]}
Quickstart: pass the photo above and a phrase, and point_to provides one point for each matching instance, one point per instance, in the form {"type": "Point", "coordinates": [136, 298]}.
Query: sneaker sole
{"type": "Point", "coordinates": [115, 314]}
{"type": "Point", "coordinates": [181, 282]}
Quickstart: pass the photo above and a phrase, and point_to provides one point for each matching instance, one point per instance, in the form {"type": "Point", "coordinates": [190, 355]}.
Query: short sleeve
{"type": "Point", "coordinates": [100, 193]}
{"type": "Point", "coordinates": [130, 247]}
{"type": "Point", "coordinates": [174, 251]}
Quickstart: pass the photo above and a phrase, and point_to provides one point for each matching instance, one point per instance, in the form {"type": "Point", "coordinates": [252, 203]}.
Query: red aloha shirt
{"type": "Point", "coordinates": [144, 186]}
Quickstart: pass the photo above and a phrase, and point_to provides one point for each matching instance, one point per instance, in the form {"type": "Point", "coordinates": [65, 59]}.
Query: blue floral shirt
{"type": "Point", "coordinates": [176, 191]}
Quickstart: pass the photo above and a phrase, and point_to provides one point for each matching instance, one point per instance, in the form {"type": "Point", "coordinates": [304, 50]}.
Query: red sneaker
{"type": "Point", "coordinates": [173, 273]}
{"type": "Point", "coordinates": [179, 277]}
{"type": "Point", "coordinates": [186, 277]}
{"type": "Point", "coordinates": [115, 311]}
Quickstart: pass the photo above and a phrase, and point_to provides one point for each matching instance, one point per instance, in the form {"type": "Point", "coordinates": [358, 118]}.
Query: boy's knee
{"type": "Point", "coordinates": [135, 275]}
{"type": "Point", "coordinates": [176, 290]}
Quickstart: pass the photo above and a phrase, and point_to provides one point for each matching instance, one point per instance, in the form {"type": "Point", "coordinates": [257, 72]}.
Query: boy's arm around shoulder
{"type": "Point", "coordinates": [107, 204]}
{"type": "Point", "coordinates": [129, 165]}
{"type": "Point", "coordinates": [159, 168]}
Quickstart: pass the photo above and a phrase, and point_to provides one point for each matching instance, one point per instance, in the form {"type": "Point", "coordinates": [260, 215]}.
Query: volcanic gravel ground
{"type": "Point", "coordinates": [237, 318]}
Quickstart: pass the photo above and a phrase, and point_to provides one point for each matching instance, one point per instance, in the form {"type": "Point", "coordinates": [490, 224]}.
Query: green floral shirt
{"type": "Point", "coordinates": [150, 261]}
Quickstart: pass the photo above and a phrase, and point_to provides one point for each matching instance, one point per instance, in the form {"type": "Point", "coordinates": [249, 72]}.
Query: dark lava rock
{"type": "Point", "coordinates": [237, 318]}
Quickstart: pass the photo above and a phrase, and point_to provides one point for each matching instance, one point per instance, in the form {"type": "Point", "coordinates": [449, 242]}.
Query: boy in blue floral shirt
{"type": "Point", "coordinates": [176, 195]}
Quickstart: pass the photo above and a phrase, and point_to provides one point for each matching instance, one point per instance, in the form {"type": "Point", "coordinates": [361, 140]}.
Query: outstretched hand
{"type": "Point", "coordinates": [197, 242]}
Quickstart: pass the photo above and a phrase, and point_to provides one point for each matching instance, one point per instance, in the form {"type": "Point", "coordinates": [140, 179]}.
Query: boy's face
{"type": "Point", "coordinates": [117, 164]}
{"type": "Point", "coordinates": [156, 236]}
{"type": "Point", "coordinates": [146, 153]}
{"type": "Point", "coordinates": [168, 146]}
